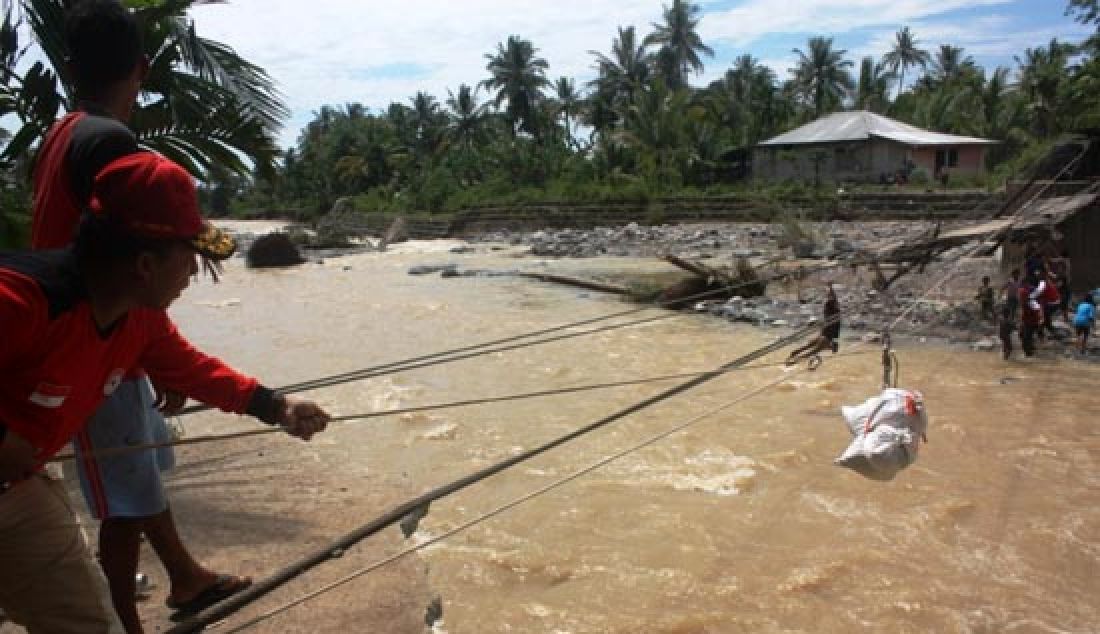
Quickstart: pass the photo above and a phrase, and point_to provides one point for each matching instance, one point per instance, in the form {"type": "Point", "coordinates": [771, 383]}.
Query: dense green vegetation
{"type": "Point", "coordinates": [639, 130]}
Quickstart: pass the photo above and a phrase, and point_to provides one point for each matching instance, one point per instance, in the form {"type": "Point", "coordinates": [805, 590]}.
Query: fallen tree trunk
{"type": "Point", "coordinates": [693, 267]}
{"type": "Point", "coordinates": [580, 283]}
{"type": "Point", "coordinates": [710, 283]}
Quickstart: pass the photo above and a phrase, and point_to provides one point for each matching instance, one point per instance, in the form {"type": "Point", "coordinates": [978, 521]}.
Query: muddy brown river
{"type": "Point", "coordinates": [739, 524]}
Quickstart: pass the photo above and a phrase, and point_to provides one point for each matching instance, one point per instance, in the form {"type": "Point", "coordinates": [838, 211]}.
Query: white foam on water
{"type": "Point", "coordinates": [383, 394]}
{"type": "Point", "coordinates": [711, 471]}
{"type": "Point", "coordinates": [812, 578]}
{"type": "Point", "coordinates": [827, 385]}
{"type": "Point", "coordinates": [446, 431]}
{"type": "Point", "coordinates": [846, 509]}
{"type": "Point", "coordinates": [537, 610]}
{"type": "Point", "coordinates": [425, 246]}
{"type": "Point", "coordinates": [224, 303]}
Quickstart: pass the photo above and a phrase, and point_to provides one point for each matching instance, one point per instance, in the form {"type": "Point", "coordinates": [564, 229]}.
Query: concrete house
{"type": "Point", "coordinates": [862, 146]}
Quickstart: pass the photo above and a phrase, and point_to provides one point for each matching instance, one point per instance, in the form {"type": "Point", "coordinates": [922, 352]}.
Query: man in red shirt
{"type": "Point", "coordinates": [125, 492]}
{"type": "Point", "coordinates": [76, 321]}
{"type": "Point", "coordinates": [1031, 313]}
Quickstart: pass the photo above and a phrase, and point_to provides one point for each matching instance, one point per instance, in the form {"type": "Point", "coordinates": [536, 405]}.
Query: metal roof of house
{"type": "Point", "coordinates": [861, 125]}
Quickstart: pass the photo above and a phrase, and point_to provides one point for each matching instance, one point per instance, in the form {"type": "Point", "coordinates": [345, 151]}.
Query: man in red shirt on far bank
{"type": "Point", "coordinates": [1031, 313]}
{"type": "Point", "coordinates": [75, 322]}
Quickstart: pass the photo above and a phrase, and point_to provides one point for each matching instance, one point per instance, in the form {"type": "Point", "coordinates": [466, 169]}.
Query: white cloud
{"type": "Point", "coordinates": [336, 51]}
{"type": "Point", "coordinates": [754, 19]}
{"type": "Point", "coordinates": [373, 52]}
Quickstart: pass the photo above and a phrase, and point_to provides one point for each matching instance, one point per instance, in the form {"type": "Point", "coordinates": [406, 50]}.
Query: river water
{"type": "Point", "coordinates": [738, 524]}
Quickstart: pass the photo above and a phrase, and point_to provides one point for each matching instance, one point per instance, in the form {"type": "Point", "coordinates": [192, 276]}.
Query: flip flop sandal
{"type": "Point", "coordinates": [223, 587]}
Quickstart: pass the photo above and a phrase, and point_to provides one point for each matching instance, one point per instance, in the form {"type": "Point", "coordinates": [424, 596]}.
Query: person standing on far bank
{"type": "Point", "coordinates": [1083, 322]}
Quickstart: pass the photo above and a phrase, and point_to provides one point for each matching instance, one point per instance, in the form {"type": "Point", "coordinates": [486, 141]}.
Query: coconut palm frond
{"type": "Point", "coordinates": [46, 19]}
{"type": "Point", "coordinates": [198, 120]}
{"type": "Point", "coordinates": [205, 146]}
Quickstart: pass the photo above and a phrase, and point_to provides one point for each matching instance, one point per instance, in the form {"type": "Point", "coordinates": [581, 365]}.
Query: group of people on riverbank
{"type": "Point", "coordinates": [1030, 303]}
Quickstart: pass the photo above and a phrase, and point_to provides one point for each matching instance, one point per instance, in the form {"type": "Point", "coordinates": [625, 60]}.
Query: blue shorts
{"type": "Point", "coordinates": [124, 485]}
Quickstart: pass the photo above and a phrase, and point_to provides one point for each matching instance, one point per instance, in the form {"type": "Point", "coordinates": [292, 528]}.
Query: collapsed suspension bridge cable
{"type": "Point", "coordinates": [485, 348]}
{"type": "Point", "coordinates": [116, 451]}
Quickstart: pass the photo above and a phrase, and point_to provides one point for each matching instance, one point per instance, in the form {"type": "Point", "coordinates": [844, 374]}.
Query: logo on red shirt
{"type": "Point", "coordinates": [113, 381]}
{"type": "Point", "coordinates": [48, 395]}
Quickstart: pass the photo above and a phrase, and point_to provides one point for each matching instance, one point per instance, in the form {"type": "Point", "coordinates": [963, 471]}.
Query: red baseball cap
{"type": "Point", "coordinates": [153, 197]}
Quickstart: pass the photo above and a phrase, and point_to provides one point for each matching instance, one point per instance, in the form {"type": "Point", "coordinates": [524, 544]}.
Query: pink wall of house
{"type": "Point", "coordinates": [971, 158]}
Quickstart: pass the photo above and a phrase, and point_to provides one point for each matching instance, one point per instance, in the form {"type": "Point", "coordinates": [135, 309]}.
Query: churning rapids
{"type": "Point", "coordinates": [739, 524]}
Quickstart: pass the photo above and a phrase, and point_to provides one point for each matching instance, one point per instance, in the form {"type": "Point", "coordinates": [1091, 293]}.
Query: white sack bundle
{"type": "Point", "coordinates": [888, 430]}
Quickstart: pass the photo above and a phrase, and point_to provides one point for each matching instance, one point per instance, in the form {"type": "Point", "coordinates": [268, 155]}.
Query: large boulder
{"type": "Point", "coordinates": [273, 250]}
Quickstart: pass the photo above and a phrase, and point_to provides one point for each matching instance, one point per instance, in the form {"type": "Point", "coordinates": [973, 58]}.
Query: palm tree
{"type": "Point", "coordinates": [567, 101]}
{"type": "Point", "coordinates": [427, 119]}
{"type": "Point", "coordinates": [627, 69]}
{"type": "Point", "coordinates": [1043, 80]}
{"type": "Point", "coordinates": [598, 112]}
{"type": "Point", "coordinates": [994, 97]}
{"type": "Point", "coordinates": [771, 108]}
{"type": "Point", "coordinates": [1084, 11]}
{"type": "Point", "coordinates": [466, 125]}
{"type": "Point", "coordinates": [656, 126]}
{"type": "Point", "coordinates": [731, 98]}
{"type": "Point", "coordinates": [679, 42]}
{"type": "Point", "coordinates": [822, 75]}
{"type": "Point", "coordinates": [1001, 108]}
{"type": "Point", "coordinates": [743, 73]}
{"type": "Point", "coordinates": [872, 92]}
{"type": "Point", "coordinates": [518, 77]}
{"type": "Point", "coordinates": [1083, 87]}
{"type": "Point", "coordinates": [904, 54]}
{"type": "Point", "coordinates": [202, 104]}
{"type": "Point", "coordinates": [951, 65]}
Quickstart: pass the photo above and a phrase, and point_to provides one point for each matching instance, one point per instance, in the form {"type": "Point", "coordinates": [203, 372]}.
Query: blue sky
{"type": "Point", "coordinates": [376, 52]}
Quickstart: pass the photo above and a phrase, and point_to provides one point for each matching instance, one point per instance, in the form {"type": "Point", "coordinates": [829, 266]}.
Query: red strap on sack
{"type": "Point", "coordinates": [910, 404]}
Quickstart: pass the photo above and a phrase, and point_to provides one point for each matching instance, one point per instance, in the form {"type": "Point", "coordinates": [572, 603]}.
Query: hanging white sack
{"type": "Point", "coordinates": [888, 430]}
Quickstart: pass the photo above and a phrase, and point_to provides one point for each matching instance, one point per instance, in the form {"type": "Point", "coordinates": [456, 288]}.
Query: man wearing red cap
{"type": "Point", "coordinates": [76, 321]}
{"type": "Point", "coordinates": [126, 492]}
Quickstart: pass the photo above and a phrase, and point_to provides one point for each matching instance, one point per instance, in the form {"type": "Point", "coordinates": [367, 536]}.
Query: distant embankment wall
{"type": "Point", "coordinates": [533, 216]}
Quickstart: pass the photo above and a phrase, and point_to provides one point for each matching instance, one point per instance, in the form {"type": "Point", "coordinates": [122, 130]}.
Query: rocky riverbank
{"type": "Point", "coordinates": [807, 240]}
{"type": "Point", "coordinates": [937, 302]}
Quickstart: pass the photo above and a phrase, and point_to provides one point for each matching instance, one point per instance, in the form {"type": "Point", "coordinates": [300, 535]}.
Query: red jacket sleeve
{"type": "Point", "coordinates": [22, 312]}
{"type": "Point", "coordinates": [172, 362]}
